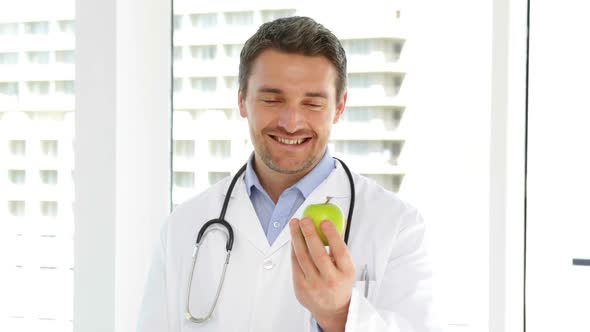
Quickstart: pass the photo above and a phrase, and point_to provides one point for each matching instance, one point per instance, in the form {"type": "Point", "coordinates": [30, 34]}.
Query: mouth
{"type": "Point", "coordinates": [289, 141]}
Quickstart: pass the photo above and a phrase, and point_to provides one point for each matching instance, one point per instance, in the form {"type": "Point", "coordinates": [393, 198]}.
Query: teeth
{"type": "Point", "coordinates": [289, 141]}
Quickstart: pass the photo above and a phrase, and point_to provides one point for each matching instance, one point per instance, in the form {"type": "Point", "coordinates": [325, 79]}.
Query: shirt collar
{"type": "Point", "coordinates": [306, 185]}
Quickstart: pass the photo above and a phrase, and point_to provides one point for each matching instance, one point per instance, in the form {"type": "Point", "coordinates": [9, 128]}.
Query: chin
{"type": "Point", "coordinates": [288, 167]}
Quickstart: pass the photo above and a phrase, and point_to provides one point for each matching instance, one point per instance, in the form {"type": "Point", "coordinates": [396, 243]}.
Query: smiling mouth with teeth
{"type": "Point", "coordinates": [289, 141]}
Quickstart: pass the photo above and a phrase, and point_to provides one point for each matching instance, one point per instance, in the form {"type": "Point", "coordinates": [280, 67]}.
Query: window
{"type": "Point", "coordinates": [359, 81]}
{"type": "Point", "coordinates": [16, 208]}
{"type": "Point", "coordinates": [358, 46]}
{"type": "Point", "coordinates": [17, 148]}
{"type": "Point", "coordinates": [233, 51]}
{"type": "Point", "coordinates": [177, 53]}
{"type": "Point", "coordinates": [177, 21]}
{"type": "Point", "coordinates": [238, 19]}
{"type": "Point", "coordinates": [391, 182]}
{"type": "Point", "coordinates": [17, 176]}
{"type": "Point", "coordinates": [184, 149]}
{"type": "Point", "coordinates": [48, 177]}
{"type": "Point", "coordinates": [177, 85]}
{"type": "Point", "coordinates": [203, 53]}
{"type": "Point", "coordinates": [38, 88]}
{"type": "Point", "coordinates": [48, 209]}
{"type": "Point", "coordinates": [66, 27]}
{"type": "Point", "coordinates": [184, 179]}
{"type": "Point", "coordinates": [41, 58]}
{"type": "Point", "coordinates": [219, 149]}
{"type": "Point", "coordinates": [379, 151]}
{"type": "Point", "coordinates": [231, 83]}
{"type": "Point", "coordinates": [64, 87]}
{"type": "Point", "coordinates": [8, 58]}
{"type": "Point", "coordinates": [37, 28]}
{"type": "Point", "coordinates": [49, 148]}
{"type": "Point", "coordinates": [388, 117]}
{"type": "Point", "coordinates": [397, 46]}
{"type": "Point", "coordinates": [9, 88]}
{"type": "Point", "coordinates": [67, 57]}
{"type": "Point", "coordinates": [8, 29]}
{"type": "Point", "coordinates": [204, 21]}
{"type": "Point", "coordinates": [215, 177]}
{"type": "Point", "coordinates": [204, 84]}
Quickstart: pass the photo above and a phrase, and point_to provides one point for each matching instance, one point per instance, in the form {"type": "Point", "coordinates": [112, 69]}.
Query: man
{"type": "Point", "coordinates": [281, 277]}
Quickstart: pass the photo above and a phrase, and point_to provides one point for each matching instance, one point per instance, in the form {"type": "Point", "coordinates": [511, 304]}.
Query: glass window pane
{"type": "Point", "coordinates": [8, 29]}
{"type": "Point", "coordinates": [239, 18]}
{"type": "Point", "coordinates": [203, 53]}
{"type": "Point", "coordinates": [403, 126]}
{"type": "Point", "coordinates": [8, 89]}
{"type": "Point", "coordinates": [10, 58]}
{"type": "Point", "coordinates": [68, 57]}
{"type": "Point", "coordinates": [17, 176]}
{"type": "Point", "coordinates": [48, 177]}
{"type": "Point", "coordinates": [36, 28]}
{"type": "Point", "coordinates": [204, 21]}
{"type": "Point", "coordinates": [38, 57]}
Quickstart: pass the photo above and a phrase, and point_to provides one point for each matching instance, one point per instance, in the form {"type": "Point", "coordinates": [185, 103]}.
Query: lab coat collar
{"type": "Point", "coordinates": [242, 216]}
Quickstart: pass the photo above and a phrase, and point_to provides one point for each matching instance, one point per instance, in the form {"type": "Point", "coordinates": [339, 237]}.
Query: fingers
{"type": "Point", "coordinates": [319, 256]}
{"type": "Point", "coordinates": [338, 247]}
{"type": "Point", "coordinates": [298, 275]}
{"type": "Point", "coordinates": [300, 250]}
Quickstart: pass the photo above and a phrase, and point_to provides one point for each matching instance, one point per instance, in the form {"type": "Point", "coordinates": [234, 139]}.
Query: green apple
{"type": "Point", "coordinates": [325, 211]}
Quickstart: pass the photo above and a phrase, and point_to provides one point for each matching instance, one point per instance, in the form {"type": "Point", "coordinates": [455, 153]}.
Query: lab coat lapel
{"type": "Point", "coordinates": [336, 185]}
{"type": "Point", "coordinates": [242, 217]}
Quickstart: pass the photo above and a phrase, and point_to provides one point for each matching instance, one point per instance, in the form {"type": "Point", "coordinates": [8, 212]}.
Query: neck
{"type": "Point", "coordinates": [273, 182]}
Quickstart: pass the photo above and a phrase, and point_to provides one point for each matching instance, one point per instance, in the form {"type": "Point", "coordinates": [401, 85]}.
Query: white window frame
{"type": "Point", "coordinates": [123, 158]}
{"type": "Point", "coordinates": [122, 155]}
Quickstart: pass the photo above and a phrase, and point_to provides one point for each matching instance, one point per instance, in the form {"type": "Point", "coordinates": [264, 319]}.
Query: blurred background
{"type": "Point", "coordinates": [450, 105]}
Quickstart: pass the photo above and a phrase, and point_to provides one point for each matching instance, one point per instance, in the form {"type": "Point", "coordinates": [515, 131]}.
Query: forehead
{"type": "Point", "coordinates": [292, 72]}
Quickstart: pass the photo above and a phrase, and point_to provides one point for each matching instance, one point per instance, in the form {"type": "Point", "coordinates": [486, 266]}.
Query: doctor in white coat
{"type": "Point", "coordinates": [280, 277]}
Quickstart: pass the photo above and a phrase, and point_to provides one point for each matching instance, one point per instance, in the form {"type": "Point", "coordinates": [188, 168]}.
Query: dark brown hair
{"type": "Point", "coordinates": [299, 35]}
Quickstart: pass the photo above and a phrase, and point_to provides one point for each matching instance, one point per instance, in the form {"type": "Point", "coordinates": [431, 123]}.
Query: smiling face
{"type": "Point", "coordinates": [290, 104]}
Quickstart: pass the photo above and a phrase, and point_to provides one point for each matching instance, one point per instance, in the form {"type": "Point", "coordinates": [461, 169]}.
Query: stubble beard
{"type": "Point", "coordinates": [266, 157]}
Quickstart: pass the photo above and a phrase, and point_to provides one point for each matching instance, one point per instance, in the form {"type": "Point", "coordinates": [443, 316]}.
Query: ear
{"type": "Point", "coordinates": [340, 108]}
{"type": "Point", "coordinates": [242, 103]}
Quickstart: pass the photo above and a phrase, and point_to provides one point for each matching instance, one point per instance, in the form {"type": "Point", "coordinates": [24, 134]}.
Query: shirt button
{"type": "Point", "coordinates": [268, 264]}
{"type": "Point", "coordinates": [276, 224]}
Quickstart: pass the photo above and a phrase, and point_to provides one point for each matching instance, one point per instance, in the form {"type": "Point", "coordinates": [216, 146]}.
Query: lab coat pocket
{"type": "Point", "coordinates": [366, 288]}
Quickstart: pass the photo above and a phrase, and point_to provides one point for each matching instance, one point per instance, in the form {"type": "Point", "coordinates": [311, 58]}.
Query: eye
{"type": "Point", "coordinates": [270, 101]}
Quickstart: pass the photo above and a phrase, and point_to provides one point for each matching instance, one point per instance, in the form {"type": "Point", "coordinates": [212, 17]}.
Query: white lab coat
{"type": "Point", "coordinates": [257, 295]}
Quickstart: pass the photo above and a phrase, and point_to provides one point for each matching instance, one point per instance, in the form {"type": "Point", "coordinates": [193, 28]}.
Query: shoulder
{"type": "Point", "coordinates": [384, 204]}
{"type": "Point", "coordinates": [197, 210]}
{"type": "Point", "coordinates": [204, 198]}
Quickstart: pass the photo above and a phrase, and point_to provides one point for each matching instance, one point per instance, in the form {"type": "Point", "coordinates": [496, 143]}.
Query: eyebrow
{"type": "Point", "coordinates": [279, 91]}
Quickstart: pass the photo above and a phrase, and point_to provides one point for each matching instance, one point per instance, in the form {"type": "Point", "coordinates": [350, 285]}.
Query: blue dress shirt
{"type": "Point", "coordinates": [273, 218]}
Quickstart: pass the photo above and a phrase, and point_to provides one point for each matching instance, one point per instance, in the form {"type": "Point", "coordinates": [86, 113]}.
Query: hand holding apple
{"type": "Point", "coordinates": [325, 211]}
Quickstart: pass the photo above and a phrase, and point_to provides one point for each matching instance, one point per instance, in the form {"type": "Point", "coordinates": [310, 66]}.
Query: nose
{"type": "Point", "coordinates": [290, 118]}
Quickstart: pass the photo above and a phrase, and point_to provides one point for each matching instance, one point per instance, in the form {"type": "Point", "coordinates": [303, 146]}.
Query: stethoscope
{"type": "Point", "coordinates": [230, 239]}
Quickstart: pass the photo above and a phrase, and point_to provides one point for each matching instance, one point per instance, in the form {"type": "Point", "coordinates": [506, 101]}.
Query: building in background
{"type": "Point", "coordinates": [212, 141]}
{"type": "Point", "coordinates": [37, 55]}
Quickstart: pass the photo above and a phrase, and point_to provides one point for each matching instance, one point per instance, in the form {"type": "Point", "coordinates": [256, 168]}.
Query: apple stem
{"type": "Point", "coordinates": [328, 198]}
